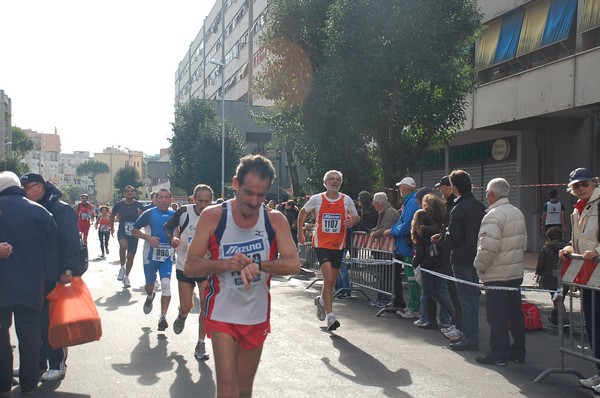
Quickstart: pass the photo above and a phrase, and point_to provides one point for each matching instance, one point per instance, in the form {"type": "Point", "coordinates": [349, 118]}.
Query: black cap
{"type": "Point", "coordinates": [32, 177]}
{"type": "Point", "coordinates": [580, 174]}
{"type": "Point", "coordinates": [444, 181]}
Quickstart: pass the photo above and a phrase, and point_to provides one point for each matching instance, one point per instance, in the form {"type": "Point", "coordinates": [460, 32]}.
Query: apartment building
{"type": "Point", "coordinates": [116, 158]}
{"type": "Point", "coordinates": [229, 38]}
{"type": "Point", "coordinates": [44, 158]}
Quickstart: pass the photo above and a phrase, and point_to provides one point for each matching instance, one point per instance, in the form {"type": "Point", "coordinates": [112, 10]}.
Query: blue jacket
{"type": "Point", "coordinates": [31, 231]}
{"type": "Point", "coordinates": [401, 230]}
{"type": "Point", "coordinates": [68, 253]}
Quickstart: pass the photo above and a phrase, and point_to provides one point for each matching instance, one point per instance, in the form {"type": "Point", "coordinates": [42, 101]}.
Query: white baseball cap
{"type": "Point", "coordinates": [407, 181]}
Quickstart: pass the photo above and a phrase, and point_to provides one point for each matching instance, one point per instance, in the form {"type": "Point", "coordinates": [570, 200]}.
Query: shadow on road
{"type": "Point", "coordinates": [147, 362]}
{"type": "Point", "coordinates": [184, 385]}
{"type": "Point", "coordinates": [367, 370]}
{"type": "Point", "coordinates": [119, 299]}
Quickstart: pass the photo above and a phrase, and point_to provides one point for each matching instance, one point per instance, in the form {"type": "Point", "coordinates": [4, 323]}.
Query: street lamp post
{"type": "Point", "coordinates": [221, 66]}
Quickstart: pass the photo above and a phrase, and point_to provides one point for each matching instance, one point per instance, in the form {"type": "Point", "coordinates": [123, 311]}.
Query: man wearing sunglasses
{"type": "Point", "coordinates": [585, 240]}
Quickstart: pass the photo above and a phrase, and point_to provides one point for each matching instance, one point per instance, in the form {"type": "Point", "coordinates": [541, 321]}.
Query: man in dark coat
{"type": "Point", "coordinates": [31, 232]}
{"type": "Point", "coordinates": [65, 261]}
{"type": "Point", "coordinates": [461, 236]}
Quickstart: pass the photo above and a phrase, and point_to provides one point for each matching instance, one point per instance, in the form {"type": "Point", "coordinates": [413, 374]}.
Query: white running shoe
{"type": "Point", "coordinates": [126, 283]}
{"type": "Point", "coordinates": [321, 313]}
{"type": "Point", "coordinates": [590, 382]}
{"type": "Point", "coordinates": [121, 274]}
{"type": "Point", "coordinates": [54, 374]}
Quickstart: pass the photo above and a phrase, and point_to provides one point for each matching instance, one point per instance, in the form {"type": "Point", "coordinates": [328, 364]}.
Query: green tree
{"type": "Point", "coordinates": [14, 164]}
{"type": "Point", "coordinates": [21, 144]}
{"type": "Point", "coordinates": [71, 193]}
{"type": "Point", "coordinates": [18, 147]}
{"type": "Point", "coordinates": [127, 175]}
{"type": "Point", "coordinates": [195, 155]}
{"type": "Point", "coordinates": [383, 76]}
{"type": "Point", "coordinates": [92, 167]}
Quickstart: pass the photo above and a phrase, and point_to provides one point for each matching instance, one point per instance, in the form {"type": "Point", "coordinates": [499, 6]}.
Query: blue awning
{"type": "Point", "coordinates": [509, 36]}
{"type": "Point", "coordinates": [560, 19]}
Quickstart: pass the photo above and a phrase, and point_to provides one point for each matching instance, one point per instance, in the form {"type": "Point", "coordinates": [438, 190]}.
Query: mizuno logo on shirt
{"type": "Point", "coordinates": [252, 246]}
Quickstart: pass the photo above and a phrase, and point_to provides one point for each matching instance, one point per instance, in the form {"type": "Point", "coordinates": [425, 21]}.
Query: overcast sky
{"type": "Point", "coordinates": [101, 72]}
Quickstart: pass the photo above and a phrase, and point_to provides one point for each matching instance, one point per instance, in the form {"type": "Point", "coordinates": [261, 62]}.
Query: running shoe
{"type": "Point", "coordinates": [491, 359]}
{"type": "Point", "coordinates": [126, 283]}
{"type": "Point", "coordinates": [200, 351]}
{"type": "Point", "coordinates": [407, 314]}
{"type": "Point", "coordinates": [121, 273]}
{"type": "Point", "coordinates": [179, 324]}
{"type": "Point", "coordinates": [148, 303]}
{"type": "Point", "coordinates": [107, 251]}
{"type": "Point", "coordinates": [162, 323]}
{"type": "Point", "coordinates": [590, 382]}
{"type": "Point", "coordinates": [332, 323]}
{"type": "Point", "coordinates": [321, 313]}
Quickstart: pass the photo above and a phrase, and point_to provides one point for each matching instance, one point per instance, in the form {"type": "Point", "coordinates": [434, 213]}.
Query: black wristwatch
{"type": "Point", "coordinates": [256, 260]}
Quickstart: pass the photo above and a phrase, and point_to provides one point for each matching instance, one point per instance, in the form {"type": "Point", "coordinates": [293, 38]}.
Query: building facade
{"type": "Point", "coordinates": [534, 117]}
{"type": "Point", "coordinates": [116, 158]}
{"type": "Point", "coordinates": [5, 125]}
{"type": "Point", "coordinates": [536, 113]}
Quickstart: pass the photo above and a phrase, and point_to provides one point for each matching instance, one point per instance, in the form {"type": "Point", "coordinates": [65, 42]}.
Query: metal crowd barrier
{"type": "Point", "coordinates": [585, 275]}
{"type": "Point", "coordinates": [308, 260]}
{"type": "Point", "coordinates": [373, 267]}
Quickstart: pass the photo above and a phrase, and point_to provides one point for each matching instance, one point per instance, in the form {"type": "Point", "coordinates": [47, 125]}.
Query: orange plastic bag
{"type": "Point", "coordinates": [74, 318]}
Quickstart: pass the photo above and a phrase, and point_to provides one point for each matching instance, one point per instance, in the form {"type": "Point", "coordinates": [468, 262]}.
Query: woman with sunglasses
{"type": "Point", "coordinates": [585, 240]}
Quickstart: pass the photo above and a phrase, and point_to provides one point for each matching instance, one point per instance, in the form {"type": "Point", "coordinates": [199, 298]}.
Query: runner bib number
{"type": "Point", "coordinates": [331, 223]}
{"type": "Point", "coordinates": [128, 227]}
{"type": "Point", "coordinates": [162, 253]}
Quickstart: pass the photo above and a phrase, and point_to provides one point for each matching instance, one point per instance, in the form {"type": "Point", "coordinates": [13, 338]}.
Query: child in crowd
{"type": "Point", "coordinates": [547, 267]}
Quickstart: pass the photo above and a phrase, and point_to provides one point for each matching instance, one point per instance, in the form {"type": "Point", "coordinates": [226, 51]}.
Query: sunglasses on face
{"type": "Point", "coordinates": [584, 184]}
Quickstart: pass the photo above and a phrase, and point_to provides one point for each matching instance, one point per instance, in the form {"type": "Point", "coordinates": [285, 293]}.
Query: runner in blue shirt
{"type": "Point", "coordinates": [158, 253]}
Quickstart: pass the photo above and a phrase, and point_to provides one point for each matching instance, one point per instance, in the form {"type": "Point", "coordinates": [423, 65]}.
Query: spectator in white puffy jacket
{"type": "Point", "coordinates": [499, 264]}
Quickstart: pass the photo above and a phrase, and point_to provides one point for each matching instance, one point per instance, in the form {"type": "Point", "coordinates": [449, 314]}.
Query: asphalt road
{"type": "Point", "coordinates": [367, 356]}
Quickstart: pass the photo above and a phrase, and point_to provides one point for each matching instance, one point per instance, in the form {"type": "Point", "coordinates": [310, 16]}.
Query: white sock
{"type": "Point", "coordinates": [330, 315]}
{"type": "Point", "coordinates": [201, 341]}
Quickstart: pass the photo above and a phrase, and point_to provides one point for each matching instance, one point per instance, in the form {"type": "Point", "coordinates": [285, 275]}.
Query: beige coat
{"type": "Point", "coordinates": [502, 242]}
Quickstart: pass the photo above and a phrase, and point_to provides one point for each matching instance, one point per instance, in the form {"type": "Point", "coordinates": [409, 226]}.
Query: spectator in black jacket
{"type": "Point", "coordinates": [461, 237]}
{"type": "Point", "coordinates": [63, 262]}
{"type": "Point", "coordinates": [31, 232]}
{"type": "Point", "coordinates": [454, 331]}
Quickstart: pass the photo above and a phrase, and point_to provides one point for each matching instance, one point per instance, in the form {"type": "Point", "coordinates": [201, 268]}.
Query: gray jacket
{"type": "Point", "coordinates": [387, 217]}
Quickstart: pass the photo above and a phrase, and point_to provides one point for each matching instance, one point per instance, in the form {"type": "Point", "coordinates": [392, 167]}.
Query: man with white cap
{"type": "Point", "coordinates": [404, 248]}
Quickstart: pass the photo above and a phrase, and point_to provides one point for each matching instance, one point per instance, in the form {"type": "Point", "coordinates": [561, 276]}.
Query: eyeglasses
{"type": "Point", "coordinates": [584, 184]}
